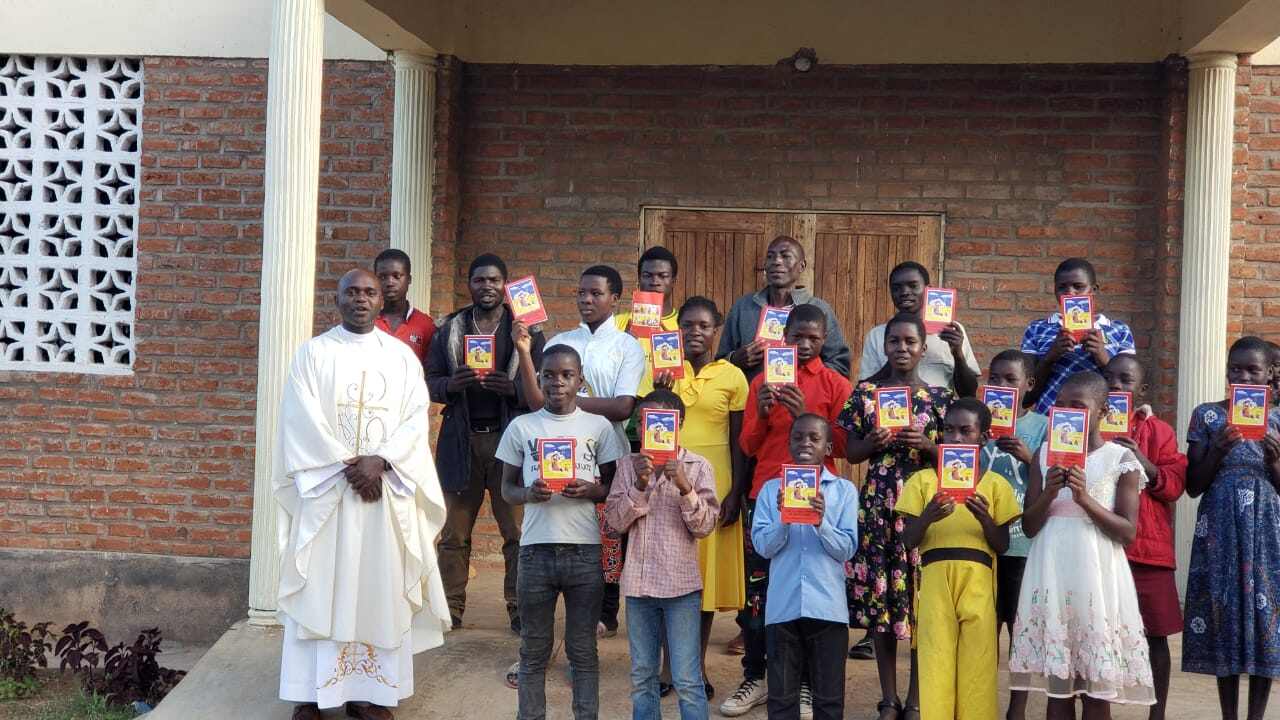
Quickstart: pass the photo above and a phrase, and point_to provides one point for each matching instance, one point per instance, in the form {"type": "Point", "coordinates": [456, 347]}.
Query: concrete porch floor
{"type": "Point", "coordinates": [238, 678]}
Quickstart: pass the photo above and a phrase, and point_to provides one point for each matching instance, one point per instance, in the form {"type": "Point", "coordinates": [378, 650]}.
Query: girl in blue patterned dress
{"type": "Point", "coordinates": [883, 575]}
{"type": "Point", "coordinates": [1232, 612]}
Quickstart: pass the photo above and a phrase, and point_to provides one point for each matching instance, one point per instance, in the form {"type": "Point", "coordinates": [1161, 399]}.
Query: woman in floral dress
{"type": "Point", "coordinates": [883, 575]}
{"type": "Point", "coordinates": [1233, 582]}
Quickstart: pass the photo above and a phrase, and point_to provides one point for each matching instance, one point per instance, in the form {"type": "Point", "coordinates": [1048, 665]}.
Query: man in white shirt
{"type": "Point", "coordinates": [360, 508]}
{"type": "Point", "coordinates": [948, 358]}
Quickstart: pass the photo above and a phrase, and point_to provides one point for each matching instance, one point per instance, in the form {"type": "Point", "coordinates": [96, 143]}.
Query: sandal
{"type": "Point", "coordinates": [910, 709]}
{"type": "Point", "coordinates": [895, 705]}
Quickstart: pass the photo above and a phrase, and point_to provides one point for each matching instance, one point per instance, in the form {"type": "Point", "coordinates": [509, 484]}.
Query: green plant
{"type": "Point", "coordinates": [22, 651]}
{"type": "Point", "coordinates": [128, 672]}
{"type": "Point", "coordinates": [83, 706]}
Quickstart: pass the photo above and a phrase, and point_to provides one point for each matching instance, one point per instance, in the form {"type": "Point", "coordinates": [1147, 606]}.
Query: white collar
{"type": "Point", "coordinates": [608, 327]}
{"type": "Point", "coordinates": [346, 335]}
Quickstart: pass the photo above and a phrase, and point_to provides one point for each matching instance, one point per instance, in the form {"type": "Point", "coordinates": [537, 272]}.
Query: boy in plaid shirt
{"type": "Point", "coordinates": [664, 509]}
{"type": "Point", "coordinates": [1057, 355]}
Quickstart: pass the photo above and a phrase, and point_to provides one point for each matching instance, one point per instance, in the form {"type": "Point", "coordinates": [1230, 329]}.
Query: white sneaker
{"type": "Point", "coordinates": [748, 695]}
{"type": "Point", "coordinates": [806, 702]}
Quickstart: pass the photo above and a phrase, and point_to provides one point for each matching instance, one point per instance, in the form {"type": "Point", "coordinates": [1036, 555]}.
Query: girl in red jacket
{"type": "Point", "coordinates": [1151, 555]}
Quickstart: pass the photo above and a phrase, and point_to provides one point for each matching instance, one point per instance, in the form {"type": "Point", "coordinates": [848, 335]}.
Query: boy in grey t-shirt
{"type": "Point", "coordinates": [560, 540]}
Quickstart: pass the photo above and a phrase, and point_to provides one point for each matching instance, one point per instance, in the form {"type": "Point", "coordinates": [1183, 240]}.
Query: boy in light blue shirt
{"type": "Point", "coordinates": [1012, 457]}
{"type": "Point", "coordinates": [807, 617]}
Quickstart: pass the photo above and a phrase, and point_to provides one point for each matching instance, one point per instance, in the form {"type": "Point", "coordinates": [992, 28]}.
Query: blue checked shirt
{"type": "Point", "coordinates": [1040, 336]}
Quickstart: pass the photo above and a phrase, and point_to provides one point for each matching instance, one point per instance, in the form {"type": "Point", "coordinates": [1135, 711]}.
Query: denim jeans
{"type": "Point", "coordinates": [545, 572]}
{"type": "Point", "coordinates": [819, 645]}
{"type": "Point", "coordinates": [680, 618]}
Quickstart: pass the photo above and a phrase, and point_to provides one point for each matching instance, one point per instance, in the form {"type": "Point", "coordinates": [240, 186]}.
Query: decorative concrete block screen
{"type": "Point", "coordinates": [70, 156]}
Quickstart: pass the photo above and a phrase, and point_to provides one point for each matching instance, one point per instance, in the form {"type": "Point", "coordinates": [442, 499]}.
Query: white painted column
{"type": "Point", "coordinates": [1206, 254]}
{"type": "Point", "coordinates": [288, 258]}
{"type": "Point", "coordinates": [412, 162]}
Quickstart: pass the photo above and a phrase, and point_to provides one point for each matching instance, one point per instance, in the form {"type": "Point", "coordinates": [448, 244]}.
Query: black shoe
{"type": "Point", "coordinates": [457, 622]}
{"type": "Point", "coordinates": [710, 690]}
{"type": "Point", "coordinates": [862, 650]}
{"type": "Point", "coordinates": [665, 689]}
{"type": "Point", "coordinates": [515, 625]}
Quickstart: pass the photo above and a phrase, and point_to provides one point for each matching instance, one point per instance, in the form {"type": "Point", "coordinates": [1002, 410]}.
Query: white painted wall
{"type": "Point", "coordinates": [218, 28]}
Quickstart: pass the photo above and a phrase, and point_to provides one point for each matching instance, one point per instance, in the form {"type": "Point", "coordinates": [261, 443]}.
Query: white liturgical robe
{"type": "Point", "coordinates": [360, 590]}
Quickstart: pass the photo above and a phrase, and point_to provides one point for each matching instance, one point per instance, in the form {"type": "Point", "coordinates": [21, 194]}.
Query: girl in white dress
{"type": "Point", "coordinates": [1078, 628]}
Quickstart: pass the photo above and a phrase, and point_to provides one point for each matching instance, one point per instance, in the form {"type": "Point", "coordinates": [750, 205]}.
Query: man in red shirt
{"type": "Point", "coordinates": [412, 327]}
{"type": "Point", "coordinates": [766, 430]}
{"type": "Point", "coordinates": [1151, 554]}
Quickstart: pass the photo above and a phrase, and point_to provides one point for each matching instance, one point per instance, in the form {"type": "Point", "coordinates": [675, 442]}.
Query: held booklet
{"type": "Point", "coordinates": [1248, 409]}
{"type": "Point", "coordinates": [893, 408]}
{"type": "Point", "coordinates": [1068, 437]}
{"type": "Point", "coordinates": [668, 353]}
{"type": "Point", "coordinates": [780, 365]}
{"type": "Point", "coordinates": [479, 353]}
{"type": "Point", "coordinates": [1116, 420]}
{"type": "Point", "coordinates": [555, 462]}
{"type": "Point", "coordinates": [526, 301]}
{"type": "Point", "coordinates": [646, 313]}
{"type": "Point", "coordinates": [799, 485]}
{"type": "Point", "coordinates": [939, 309]}
{"type": "Point", "coordinates": [1077, 315]}
{"type": "Point", "coordinates": [773, 323]}
{"type": "Point", "coordinates": [660, 439]}
{"type": "Point", "coordinates": [1003, 404]}
{"type": "Point", "coordinates": [958, 471]}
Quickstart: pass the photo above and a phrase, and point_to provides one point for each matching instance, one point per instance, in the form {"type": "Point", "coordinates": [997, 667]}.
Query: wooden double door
{"type": "Point", "coordinates": [849, 256]}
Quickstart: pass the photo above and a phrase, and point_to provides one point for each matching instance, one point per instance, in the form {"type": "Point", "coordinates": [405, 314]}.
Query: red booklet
{"type": "Point", "coordinates": [479, 353]}
{"type": "Point", "coordinates": [667, 354]}
{"type": "Point", "coordinates": [646, 313]}
{"type": "Point", "coordinates": [958, 470]}
{"type": "Point", "coordinates": [939, 309]}
{"type": "Point", "coordinates": [1003, 404]}
{"type": "Point", "coordinates": [660, 438]}
{"type": "Point", "coordinates": [780, 365]}
{"type": "Point", "coordinates": [1115, 421]}
{"type": "Point", "coordinates": [1248, 409]}
{"type": "Point", "coordinates": [1068, 437]}
{"type": "Point", "coordinates": [1077, 315]}
{"type": "Point", "coordinates": [526, 301]}
{"type": "Point", "coordinates": [555, 462]}
{"type": "Point", "coordinates": [800, 484]}
{"type": "Point", "coordinates": [773, 324]}
{"type": "Point", "coordinates": [893, 408]}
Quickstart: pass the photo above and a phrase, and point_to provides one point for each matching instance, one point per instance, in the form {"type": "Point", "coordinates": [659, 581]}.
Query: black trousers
{"type": "Point", "coordinates": [818, 646]}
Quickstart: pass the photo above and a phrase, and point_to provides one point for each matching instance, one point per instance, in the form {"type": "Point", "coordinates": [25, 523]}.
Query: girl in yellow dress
{"type": "Point", "coordinates": [714, 393]}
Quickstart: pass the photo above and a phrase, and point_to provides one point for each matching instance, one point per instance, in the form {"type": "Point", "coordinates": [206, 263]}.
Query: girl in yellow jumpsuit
{"type": "Point", "coordinates": [955, 604]}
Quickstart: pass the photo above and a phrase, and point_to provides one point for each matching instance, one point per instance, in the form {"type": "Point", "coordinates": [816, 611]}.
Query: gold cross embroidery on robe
{"type": "Point", "coordinates": [360, 422]}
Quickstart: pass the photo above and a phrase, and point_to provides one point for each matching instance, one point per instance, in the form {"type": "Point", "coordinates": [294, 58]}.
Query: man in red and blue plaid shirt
{"type": "Point", "coordinates": [1057, 355]}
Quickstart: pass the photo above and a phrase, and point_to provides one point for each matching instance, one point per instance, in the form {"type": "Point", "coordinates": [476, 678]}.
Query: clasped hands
{"type": "Point", "coordinates": [364, 474]}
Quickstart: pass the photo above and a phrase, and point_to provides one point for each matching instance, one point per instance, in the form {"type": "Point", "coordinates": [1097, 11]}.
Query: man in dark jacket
{"type": "Point", "coordinates": [477, 410]}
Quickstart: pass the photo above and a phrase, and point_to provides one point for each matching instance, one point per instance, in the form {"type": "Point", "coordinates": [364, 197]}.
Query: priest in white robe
{"type": "Point", "coordinates": [360, 509]}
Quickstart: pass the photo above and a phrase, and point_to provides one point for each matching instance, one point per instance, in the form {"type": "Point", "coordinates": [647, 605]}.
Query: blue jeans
{"type": "Point", "coordinates": [546, 572]}
{"type": "Point", "coordinates": [681, 619]}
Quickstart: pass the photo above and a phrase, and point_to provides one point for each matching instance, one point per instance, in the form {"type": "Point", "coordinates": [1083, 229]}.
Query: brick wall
{"type": "Point", "coordinates": [1030, 164]}
{"type": "Point", "coordinates": [162, 461]}
{"type": "Point", "coordinates": [1255, 254]}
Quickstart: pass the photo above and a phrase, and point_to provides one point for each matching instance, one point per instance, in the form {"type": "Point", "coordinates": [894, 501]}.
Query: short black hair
{"type": "Point", "coordinates": [560, 349]}
{"type": "Point", "coordinates": [790, 241]}
{"type": "Point", "coordinates": [611, 277]}
{"type": "Point", "coordinates": [699, 302]}
{"type": "Point", "coordinates": [813, 417]}
{"type": "Point", "coordinates": [1016, 356]}
{"type": "Point", "coordinates": [1072, 264]}
{"type": "Point", "coordinates": [1130, 358]}
{"type": "Point", "coordinates": [806, 313]}
{"type": "Point", "coordinates": [487, 260]}
{"type": "Point", "coordinates": [1251, 343]}
{"type": "Point", "coordinates": [657, 252]}
{"type": "Point", "coordinates": [973, 405]}
{"type": "Point", "coordinates": [1089, 380]}
{"type": "Point", "coordinates": [664, 399]}
{"type": "Point", "coordinates": [910, 265]}
{"type": "Point", "coordinates": [906, 318]}
{"type": "Point", "coordinates": [393, 254]}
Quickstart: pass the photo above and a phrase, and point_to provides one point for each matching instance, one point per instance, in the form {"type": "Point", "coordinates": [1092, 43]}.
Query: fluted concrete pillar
{"type": "Point", "coordinates": [412, 160]}
{"type": "Point", "coordinates": [288, 258]}
{"type": "Point", "coordinates": [1206, 252]}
